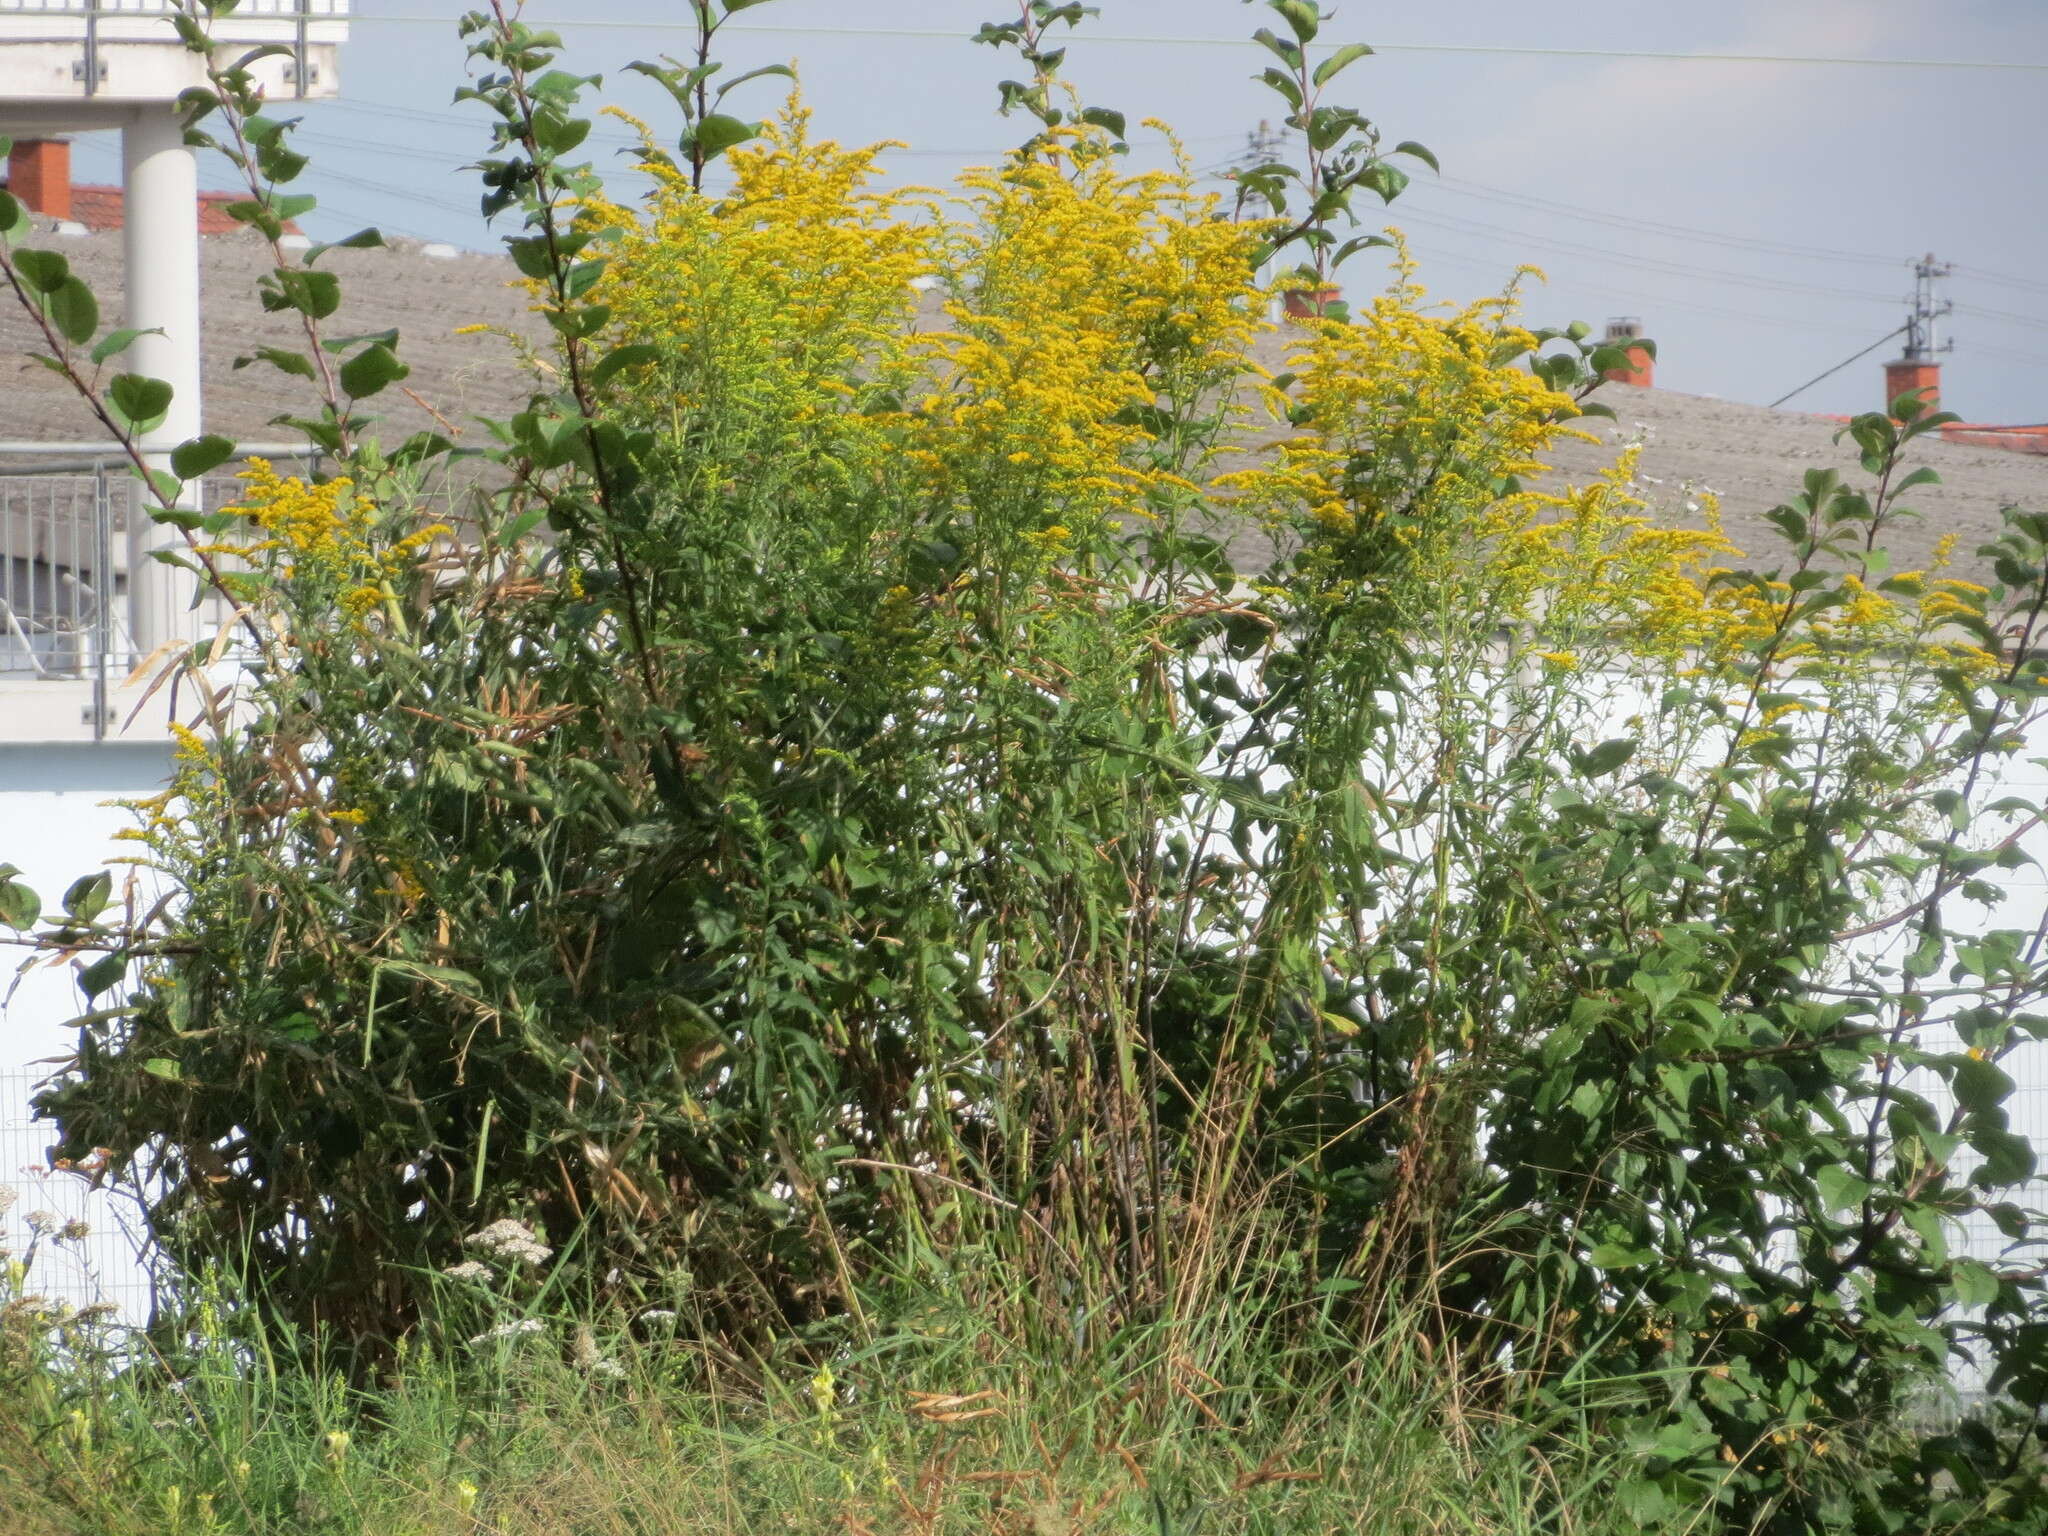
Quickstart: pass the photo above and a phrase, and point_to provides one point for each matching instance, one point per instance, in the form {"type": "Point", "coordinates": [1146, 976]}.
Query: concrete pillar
{"type": "Point", "coordinates": [160, 177]}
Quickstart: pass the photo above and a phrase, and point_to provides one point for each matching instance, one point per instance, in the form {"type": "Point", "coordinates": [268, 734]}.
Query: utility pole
{"type": "Point", "coordinates": [1922, 342]}
{"type": "Point", "coordinates": [1263, 145]}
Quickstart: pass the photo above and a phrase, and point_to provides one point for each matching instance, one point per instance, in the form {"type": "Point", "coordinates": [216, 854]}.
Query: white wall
{"type": "Point", "coordinates": [57, 822]}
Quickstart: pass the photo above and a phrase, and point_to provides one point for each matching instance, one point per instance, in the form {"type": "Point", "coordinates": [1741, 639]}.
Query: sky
{"type": "Point", "coordinates": [1759, 216]}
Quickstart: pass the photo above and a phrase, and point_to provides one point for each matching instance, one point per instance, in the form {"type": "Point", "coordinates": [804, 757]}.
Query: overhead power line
{"type": "Point", "coordinates": [1844, 363]}
{"type": "Point", "coordinates": [1481, 191]}
{"type": "Point", "coordinates": [1503, 49]}
{"type": "Point", "coordinates": [1526, 240]}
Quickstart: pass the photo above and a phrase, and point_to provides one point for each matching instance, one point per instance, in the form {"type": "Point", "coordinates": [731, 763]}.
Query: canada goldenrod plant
{"type": "Point", "coordinates": [954, 767]}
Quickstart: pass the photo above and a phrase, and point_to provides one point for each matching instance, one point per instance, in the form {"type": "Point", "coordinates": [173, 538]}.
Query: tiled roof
{"type": "Point", "coordinates": [101, 208]}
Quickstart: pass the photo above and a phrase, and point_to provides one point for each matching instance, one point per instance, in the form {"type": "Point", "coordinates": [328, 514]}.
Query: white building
{"type": "Point", "coordinates": [81, 603]}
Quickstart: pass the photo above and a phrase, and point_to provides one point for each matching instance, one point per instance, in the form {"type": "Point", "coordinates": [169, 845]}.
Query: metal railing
{"type": "Point", "coordinates": [282, 8]}
{"type": "Point", "coordinates": [63, 564]}
{"type": "Point", "coordinates": [99, 22]}
{"type": "Point", "coordinates": [59, 616]}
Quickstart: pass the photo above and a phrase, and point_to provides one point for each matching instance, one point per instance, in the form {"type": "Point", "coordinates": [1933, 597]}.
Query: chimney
{"type": "Point", "coordinates": [1642, 367]}
{"type": "Point", "coordinates": [1913, 376]}
{"type": "Point", "coordinates": [1305, 299]}
{"type": "Point", "coordinates": [39, 176]}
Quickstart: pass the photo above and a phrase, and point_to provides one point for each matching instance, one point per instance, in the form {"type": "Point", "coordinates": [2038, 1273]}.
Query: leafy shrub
{"type": "Point", "coordinates": [847, 820]}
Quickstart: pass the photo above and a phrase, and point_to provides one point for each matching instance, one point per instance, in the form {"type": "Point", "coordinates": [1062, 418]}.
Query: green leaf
{"type": "Point", "coordinates": [1975, 1284]}
{"type": "Point", "coordinates": [1980, 1086]}
{"type": "Point", "coordinates": [88, 896]}
{"type": "Point", "coordinates": [74, 311]}
{"type": "Point", "coordinates": [14, 220]}
{"type": "Point", "coordinates": [361, 240]}
{"type": "Point", "coordinates": [1102, 117]}
{"type": "Point", "coordinates": [755, 74]}
{"type": "Point", "coordinates": [1301, 16]}
{"type": "Point", "coordinates": [103, 974]}
{"type": "Point", "coordinates": [283, 360]}
{"type": "Point", "coordinates": [138, 403]}
{"type": "Point", "coordinates": [1605, 758]}
{"type": "Point", "coordinates": [1415, 151]}
{"type": "Point", "coordinates": [1616, 1255]}
{"type": "Point", "coordinates": [1840, 1189]}
{"type": "Point", "coordinates": [718, 133]}
{"type": "Point", "coordinates": [372, 371]}
{"type": "Point", "coordinates": [616, 361]}
{"type": "Point", "coordinates": [43, 271]}
{"type": "Point", "coordinates": [165, 1068]}
{"type": "Point", "coordinates": [1339, 61]}
{"type": "Point", "coordinates": [200, 456]}
{"type": "Point", "coordinates": [114, 343]}
{"type": "Point", "coordinates": [19, 906]}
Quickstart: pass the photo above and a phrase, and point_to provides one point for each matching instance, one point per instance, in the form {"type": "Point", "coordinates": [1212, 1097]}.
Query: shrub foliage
{"type": "Point", "coordinates": [923, 767]}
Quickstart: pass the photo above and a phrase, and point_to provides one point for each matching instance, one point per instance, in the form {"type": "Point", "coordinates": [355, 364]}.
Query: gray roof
{"type": "Point", "coordinates": [1751, 456]}
{"type": "Point", "coordinates": [425, 298]}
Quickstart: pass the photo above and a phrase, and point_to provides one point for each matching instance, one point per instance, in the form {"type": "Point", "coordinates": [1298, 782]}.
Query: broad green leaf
{"type": "Point", "coordinates": [88, 896]}
{"type": "Point", "coordinates": [1840, 1188]}
{"type": "Point", "coordinates": [718, 133]}
{"type": "Point", "coordinates": [372, 371]}
{"type": "Point", "coordinates": [1300, 15]}
{"type": "Point", "coordinates": [1605, 758]}
{"type": "Point", "coordinates": [616, 361]}
{"type": "Point", "coordinates": [1339, 61]}
{"type": "Point", "coordinates": [201, 456]}
{"type": "Point", "coordinates": [361, 240]}
{"type": "Point", "coordinates": [1975, 1284]}
{"type": "Point", "coordinates": [43, 271]}
{"type": "Point", "coordinates": [102, 975]}
{"type": "Point", "coordinates": [74, 311]}
{"type": "Point", "coordinates": [138, 403]}
{"type": "Point", "coordinates": [19, 906]}
{"type": "Point", "coordinates": [114, 343]}
{"type": "Point", "coordinates": [1415, 151]}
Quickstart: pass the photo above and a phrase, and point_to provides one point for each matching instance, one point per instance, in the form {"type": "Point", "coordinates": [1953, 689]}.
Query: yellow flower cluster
{"type": "Point", "coordinates": [789, 297]}
{"type": "Point", "coordinates": [1075, 298]}
{"type": "Point", "coordinates": [326, 532]}
{"type": "Point", "coordinates": [1087, 299]}
{"type": "Point", "coordinates": [1415, 430]}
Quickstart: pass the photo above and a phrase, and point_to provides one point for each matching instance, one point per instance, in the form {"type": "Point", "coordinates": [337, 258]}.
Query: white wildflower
{"type": "Point", "coordinates": [7, 1198]}
{"type": "Point", "coordinates": [42, 1222]}
{"type": "Point", "coordinates": [657, 1317]}
{"type": "Point", "coordinates": [525, 1327]}
{"type": "Point", "coordinates": [590, 1360]}
{"type": "Point", "coordinates": [470, 1269]}
{"type": "Point", "coordinates": [513, 1241]}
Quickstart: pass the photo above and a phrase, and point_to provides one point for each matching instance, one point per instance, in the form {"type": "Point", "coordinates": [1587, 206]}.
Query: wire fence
{"type": "Point", "coordinates": [85, 1245]}
{"type": "Point", "coordinates": [64, 571]}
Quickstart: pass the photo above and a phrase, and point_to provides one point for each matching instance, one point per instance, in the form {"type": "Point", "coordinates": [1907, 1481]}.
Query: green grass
{"type": "Point", "coordinates": [950, 1427]}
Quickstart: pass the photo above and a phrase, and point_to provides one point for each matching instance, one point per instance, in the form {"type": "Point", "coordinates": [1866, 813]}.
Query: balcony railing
{"type": "Point", "coordinates": [126, 50]}
{"type": "Point", "coordinates": [64, 569]}
{"type": "Point", "coordinates": [286, 9]}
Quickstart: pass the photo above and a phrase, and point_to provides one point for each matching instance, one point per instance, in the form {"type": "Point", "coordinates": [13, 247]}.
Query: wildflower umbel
{"type": "Point", "coordinates": [512, 1241]}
